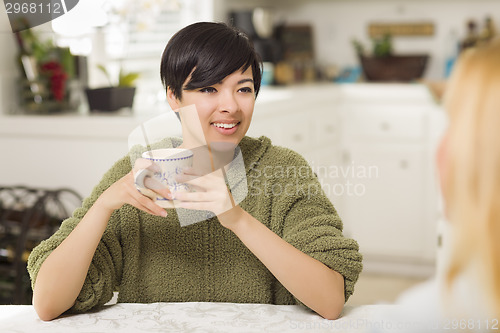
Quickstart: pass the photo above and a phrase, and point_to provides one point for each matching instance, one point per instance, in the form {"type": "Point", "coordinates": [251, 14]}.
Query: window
{"type": "Point", "coordinates": [129, 35]}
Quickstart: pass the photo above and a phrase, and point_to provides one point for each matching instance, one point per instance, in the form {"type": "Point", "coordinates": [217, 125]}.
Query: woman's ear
{"type": "Point", "coordinates": [172, 100]}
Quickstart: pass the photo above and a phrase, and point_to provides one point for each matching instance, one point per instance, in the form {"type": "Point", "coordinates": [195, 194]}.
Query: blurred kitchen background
{"type": "Point", "coordinates": [353, 85]}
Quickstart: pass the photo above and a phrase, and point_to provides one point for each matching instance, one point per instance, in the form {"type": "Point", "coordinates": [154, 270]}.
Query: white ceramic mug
{"type": "Point", "coordinates": [167, 164]}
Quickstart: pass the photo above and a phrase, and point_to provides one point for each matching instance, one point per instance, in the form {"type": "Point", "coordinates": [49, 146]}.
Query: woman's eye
{"type": "Point", "coordinates": [208, 90]}
{"type": "Point", "coordinates": [246, 90]}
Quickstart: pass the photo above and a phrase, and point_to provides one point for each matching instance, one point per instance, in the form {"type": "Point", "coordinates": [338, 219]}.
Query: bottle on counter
{"type": "Point", "coordinates": [471, 39]}
{"type": "Point", "coordinates": [8, 255]}
{"type": "Point", "coordinates": [452, 49]}
{"type": "Point", "coordinates": [489, 31]}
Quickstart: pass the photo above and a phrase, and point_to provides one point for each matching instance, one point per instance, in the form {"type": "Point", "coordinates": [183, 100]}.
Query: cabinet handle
{"type": "Point", "coordinates": [330, 129]}
{"type": "Point", "coordinates": [385, 126]}
{"type": "Point", "coordinates": [346, 156]}
{"type": "Point", "coordinates": [403, 164]}
{"type": "Point", "coordinates": [297, 137]}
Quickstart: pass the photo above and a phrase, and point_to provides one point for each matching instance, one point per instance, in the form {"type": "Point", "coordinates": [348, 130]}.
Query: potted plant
{"type": "Point", "coordinates": [46, 69]}
{"type": "Point", "coordinates": [383, 65]}
{"type": "Point", "coordinates": [114, 97]}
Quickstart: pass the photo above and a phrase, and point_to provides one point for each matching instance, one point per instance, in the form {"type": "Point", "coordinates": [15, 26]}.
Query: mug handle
{"type": "Point", "coordinates": [140, 176]}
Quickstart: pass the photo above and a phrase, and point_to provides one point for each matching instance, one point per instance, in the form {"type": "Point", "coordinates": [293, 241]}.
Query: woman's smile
{"type": "Point", "coordinates": [226, 127]}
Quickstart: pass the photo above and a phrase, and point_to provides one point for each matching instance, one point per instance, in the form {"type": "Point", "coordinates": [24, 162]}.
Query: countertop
{"type": "Point", "coordinates": [271, 99]}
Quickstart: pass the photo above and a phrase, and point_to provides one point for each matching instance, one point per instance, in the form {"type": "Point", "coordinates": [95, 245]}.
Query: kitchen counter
{"type": "Point", "coordinates": [67, 125]}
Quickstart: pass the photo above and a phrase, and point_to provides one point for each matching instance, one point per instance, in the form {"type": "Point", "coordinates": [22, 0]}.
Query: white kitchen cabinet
{"type": "Point", "coordinates": [325, 134]}
{"type": "Point", "coordinates": [306, 121]}
{"type": "Point", "coordinates": [291, 131]}
{"type": "Point", "coordinates": [383, 123]}
{"type": "Point", "coordinates": [384, 209]}
{"type": "Point", "coordinates": [388, 153]}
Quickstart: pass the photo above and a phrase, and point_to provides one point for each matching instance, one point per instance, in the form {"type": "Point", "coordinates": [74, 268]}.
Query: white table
{"type": "Point", "coordinates": [191, 317]}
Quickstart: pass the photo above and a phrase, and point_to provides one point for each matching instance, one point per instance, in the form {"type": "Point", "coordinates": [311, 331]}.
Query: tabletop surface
{"type": "Point", "coordinates": [190, 317]}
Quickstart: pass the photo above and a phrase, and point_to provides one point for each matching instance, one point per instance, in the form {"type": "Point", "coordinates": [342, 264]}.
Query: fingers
{"type": "Point", "coordinates": [217, 202]}
{"type": "Point", "coordinates": [205, 181]}
{"type": "Point", "coordinates": [211, 192]}
{"type": "Point", "coordinates": [157, 187]}
{"type": "Point", "coordinates": [149, 206]}
{"type": "Point", "coordinates": [149, 182]}
{"type": "Point", "coordinates": [140, 201]}
{"type": "Point", "coordinates": [193, 196]}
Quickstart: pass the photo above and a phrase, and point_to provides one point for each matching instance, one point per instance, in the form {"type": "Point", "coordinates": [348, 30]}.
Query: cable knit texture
{"type": "Point", "coordinates": [153, 259]}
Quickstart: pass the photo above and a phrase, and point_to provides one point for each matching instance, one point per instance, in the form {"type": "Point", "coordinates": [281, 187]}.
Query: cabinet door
{"type": "Point", "coordinates": [384, 123]}
{"type": "Point", "coordinates": [291, 131]}
{"type": "Point", "coordinates": [383, 208]}
{"type": "Point", "coordinates": [266, 126]}
{"type": "Point", "coordinates": [325, 162]}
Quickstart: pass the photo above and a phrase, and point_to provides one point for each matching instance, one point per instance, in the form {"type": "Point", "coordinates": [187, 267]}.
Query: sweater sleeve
{"type": "Point", "coordinates": [105, 270]}
{"type": "Point", "coordinates": [310, 222]}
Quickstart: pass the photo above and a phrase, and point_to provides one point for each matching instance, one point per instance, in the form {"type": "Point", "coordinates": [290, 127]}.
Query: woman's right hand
{"type": "Point", "coordinates": [123, 191]}
{"type": "Point", "coordinates": [62, 274]}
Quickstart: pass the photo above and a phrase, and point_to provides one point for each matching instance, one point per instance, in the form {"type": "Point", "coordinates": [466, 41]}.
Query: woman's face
{"type": "Point", "coordinates": [224, 110]}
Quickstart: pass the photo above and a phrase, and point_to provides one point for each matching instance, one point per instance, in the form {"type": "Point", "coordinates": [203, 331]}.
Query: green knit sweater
{"type": "Point", "coordinates": [149, 258]}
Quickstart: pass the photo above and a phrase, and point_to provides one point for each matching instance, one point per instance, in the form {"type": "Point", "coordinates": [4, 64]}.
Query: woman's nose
{"type": "Point", "coordinates": [228, 102]}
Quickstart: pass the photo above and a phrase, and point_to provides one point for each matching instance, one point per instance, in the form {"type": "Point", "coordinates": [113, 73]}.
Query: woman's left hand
{"type": "Point", "coordinates": [208, 192]}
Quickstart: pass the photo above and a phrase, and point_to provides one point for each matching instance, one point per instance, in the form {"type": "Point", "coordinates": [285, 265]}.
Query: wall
{"type": "Point", "coordinates": [7, 58]}
{"type": "Point", "coordinates": [144, 58]}
{"type": "Point", "coordinates": [9, 70]}
{"type": "Point", "coordinates": [337, 22]}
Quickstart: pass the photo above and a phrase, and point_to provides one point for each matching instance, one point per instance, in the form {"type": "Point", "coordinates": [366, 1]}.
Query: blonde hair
{"type": "Point", "coordinates": [472, 183]}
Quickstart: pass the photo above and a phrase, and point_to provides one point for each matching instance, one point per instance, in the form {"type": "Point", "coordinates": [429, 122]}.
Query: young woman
{"type": "Point", "coordinates": [469, 163]}
{"type": "Point", "coordinates": [273, 247]}
{"type": "Point", "coordinates": [465, 295]}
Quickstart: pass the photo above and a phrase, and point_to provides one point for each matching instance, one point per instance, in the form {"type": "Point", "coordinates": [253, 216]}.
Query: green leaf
{"type": "Point", "coordinates": [105, 72]}
{"type": "Point", "coordinates": [67, 61]}
{"type": "Point", "coordinates": [382, 46]}
{"type": "Point", "coordinates": [127, 80]}
{"type": "Point", "coordinates": [358, 46]}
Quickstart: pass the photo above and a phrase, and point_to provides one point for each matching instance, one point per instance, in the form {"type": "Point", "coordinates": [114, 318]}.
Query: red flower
{"type": "Point", "coordinates": [57, 78]}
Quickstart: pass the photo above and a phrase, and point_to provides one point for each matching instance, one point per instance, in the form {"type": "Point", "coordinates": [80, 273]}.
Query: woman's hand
{"type": "Point", "coordinates": [63, 273]}
{"type": "Point", "coordinates": [124, 191]}
{"type": "Point", "coordinates": [209, 192]}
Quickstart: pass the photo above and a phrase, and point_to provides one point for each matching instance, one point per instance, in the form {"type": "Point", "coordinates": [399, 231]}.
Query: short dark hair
{"type": "Point", "coordinates": [215, 49]}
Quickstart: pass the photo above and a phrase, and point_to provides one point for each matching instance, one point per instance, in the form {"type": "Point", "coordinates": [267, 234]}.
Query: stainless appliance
{"type": "Point", "coordinates": [258, 24]}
